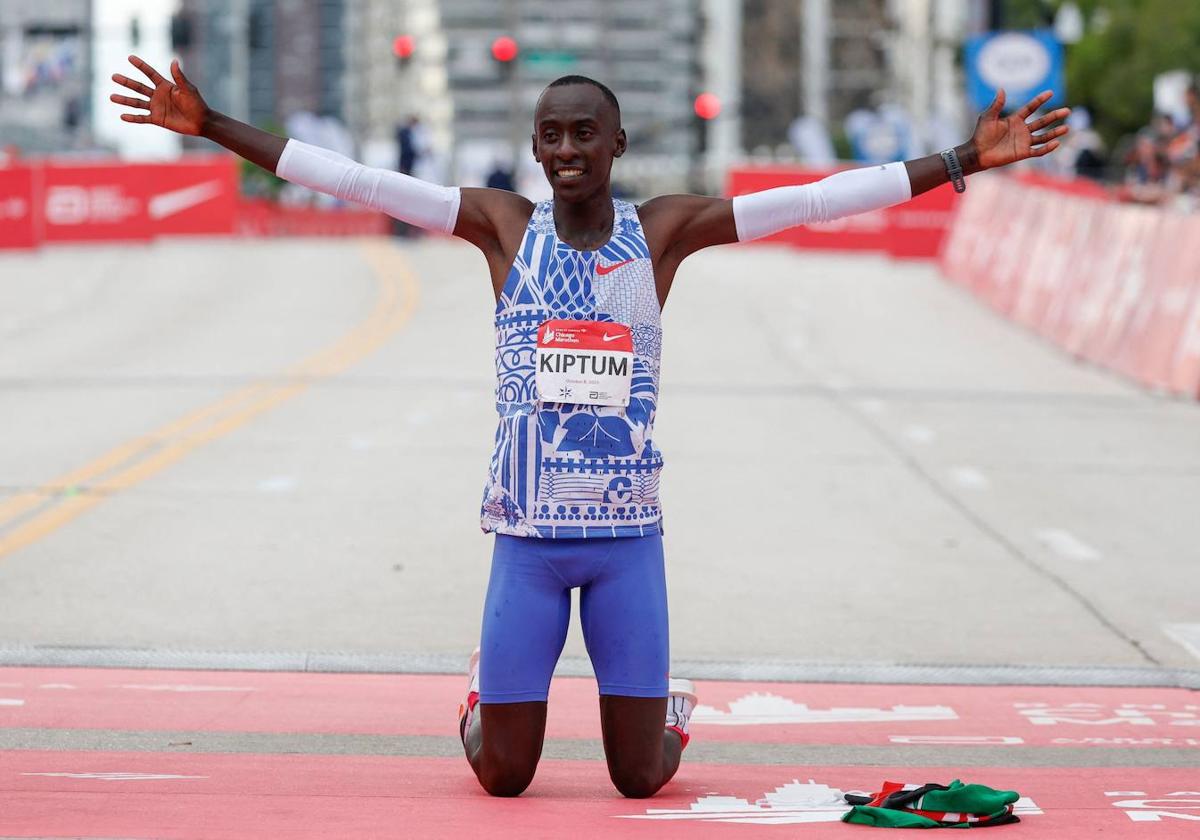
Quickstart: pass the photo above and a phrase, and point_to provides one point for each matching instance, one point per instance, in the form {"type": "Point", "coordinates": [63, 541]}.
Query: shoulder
{"type": "Point", "coordinates": [488, 217]}
{"type": "Point", "coordinates": [497, 204]}
{"type": "Point", "coordinates": [685, 222]}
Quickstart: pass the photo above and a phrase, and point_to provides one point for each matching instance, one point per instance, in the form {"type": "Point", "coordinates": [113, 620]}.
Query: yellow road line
{"type": "Point", "coordinates": [139, 459]}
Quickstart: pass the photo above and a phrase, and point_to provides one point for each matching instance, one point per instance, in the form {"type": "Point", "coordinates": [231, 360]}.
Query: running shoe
{"type": "Point", "coordinates": [466, 709]}
{"type": "Point", "coordinates": [681, 701]}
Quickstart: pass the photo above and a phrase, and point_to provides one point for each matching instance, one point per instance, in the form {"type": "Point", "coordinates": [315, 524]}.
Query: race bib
{"type": "Point", "coordinates": [584, 362]}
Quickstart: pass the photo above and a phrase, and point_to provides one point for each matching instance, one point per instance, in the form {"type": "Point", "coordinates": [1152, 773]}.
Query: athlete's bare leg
{"type": "Point", "coordinates": [504, 745]}
{"type": "Point", "coordinates": [642, 753]}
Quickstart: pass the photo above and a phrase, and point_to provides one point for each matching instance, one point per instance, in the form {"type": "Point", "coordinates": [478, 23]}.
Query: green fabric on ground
{"type": "Point", "coordinates": [887, 818]}
{"type": "Point", "coordinates": [969, 799]}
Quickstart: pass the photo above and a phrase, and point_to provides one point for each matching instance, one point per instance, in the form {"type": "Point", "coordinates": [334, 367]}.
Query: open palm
{"type": "Point", "coordinates": [176, 106]}
{"type": "Point", "coordinates": [1002, 140]}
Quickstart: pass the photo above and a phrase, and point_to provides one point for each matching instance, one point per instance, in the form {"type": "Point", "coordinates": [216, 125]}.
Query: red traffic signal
{"type": "Point", "coordinates": [403, 47]}
{"type": "Point", "coordinates": [504, 49]}
{"type": "Point", "coordinates": [707, 106]}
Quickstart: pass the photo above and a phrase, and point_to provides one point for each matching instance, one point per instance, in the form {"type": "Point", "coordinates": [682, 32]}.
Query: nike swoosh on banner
{"type": "Point", "coordinates": [176, 201]}
{"type": "Point", "coordinates": [607, 337]}
{"type": "Point", "coordinates": [601, 270]}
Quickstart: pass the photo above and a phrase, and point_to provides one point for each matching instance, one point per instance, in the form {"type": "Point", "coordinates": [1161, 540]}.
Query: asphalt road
{"type": "Point", "coordinates": [280, 446]}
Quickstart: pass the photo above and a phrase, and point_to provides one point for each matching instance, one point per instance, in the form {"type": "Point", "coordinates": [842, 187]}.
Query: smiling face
{"type": "Point", "coordinates": [576, 134]}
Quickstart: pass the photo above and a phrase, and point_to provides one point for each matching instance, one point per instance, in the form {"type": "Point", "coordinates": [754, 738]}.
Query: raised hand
{"type": "Point", "coordinates": [999, 141]}
{"type": "Point", "coordinates": [178, 107]}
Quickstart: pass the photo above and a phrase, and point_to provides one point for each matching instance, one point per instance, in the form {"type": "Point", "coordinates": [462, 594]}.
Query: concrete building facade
{"type": "Point", "coordinates": [45, 75]}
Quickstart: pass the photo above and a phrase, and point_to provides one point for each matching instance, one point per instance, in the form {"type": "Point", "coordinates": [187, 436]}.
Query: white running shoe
{"type": "Point", "coordinates": [681, 701]}
{"type": "Point", "coordinates": [466, 709]}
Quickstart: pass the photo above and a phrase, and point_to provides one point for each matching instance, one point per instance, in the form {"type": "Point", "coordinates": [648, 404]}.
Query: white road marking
{"type": "Point", "coordinates": [1067, 545]}
{"type": "Point", "coordinates": [920, 434]}
{"type": "Point", "coordinates": [117, 777]}
{"type": "Point", "coordinates": [992, 740]}
{"type": "Point", "coordinates": [184, 689]}
{"type": "Point", "coordinates": [969, 478]}
{"type": "Point", "coordinates": [1187, 635]}
{"type": "Point", "coordinates": [277, 484]}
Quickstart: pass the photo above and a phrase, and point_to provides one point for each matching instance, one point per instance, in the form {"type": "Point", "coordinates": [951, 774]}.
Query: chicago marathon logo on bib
{"type": "Point", "coordinates": [584, 362]}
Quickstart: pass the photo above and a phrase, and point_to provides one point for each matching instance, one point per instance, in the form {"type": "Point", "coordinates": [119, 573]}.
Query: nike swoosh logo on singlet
{"type": "Point", "coordinates": [601, 270]}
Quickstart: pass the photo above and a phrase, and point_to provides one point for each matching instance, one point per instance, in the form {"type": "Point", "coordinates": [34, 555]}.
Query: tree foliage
{"type": "Point", "coordinates": [1127, 43]}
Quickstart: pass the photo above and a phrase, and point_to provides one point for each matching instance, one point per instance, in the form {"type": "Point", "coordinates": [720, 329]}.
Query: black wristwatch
{"type": "Point", "coordinates": [954, 170]}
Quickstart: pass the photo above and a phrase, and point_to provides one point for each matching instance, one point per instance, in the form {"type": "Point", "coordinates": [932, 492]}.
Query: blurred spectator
{"type": "Point", "coordinates": [410, 139]}
{"type": "Point", "coordinates": [501, 178]}
{"type": "Point", "coordinates": [810, 139]}
{"type": "Point", "coordinates": [1163, 164]}
{"type": "Point", "coordinates": [1082, 151]}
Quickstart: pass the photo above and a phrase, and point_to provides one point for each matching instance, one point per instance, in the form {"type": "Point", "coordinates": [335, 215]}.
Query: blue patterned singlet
{"type": "Point", "coordinates": [560, 469]}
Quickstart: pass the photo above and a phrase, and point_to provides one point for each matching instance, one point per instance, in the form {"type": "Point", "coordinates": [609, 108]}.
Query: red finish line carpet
{"type": "Point", "coordinates": [184, 754]}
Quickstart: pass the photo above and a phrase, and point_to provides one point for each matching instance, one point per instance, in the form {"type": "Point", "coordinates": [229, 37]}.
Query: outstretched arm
{"type": "Point", "coordinates": [179, 107]}
{"type": "Point", "coordinates": [681, 225]}
{"type": "Point", "coordinates": [479, 216]}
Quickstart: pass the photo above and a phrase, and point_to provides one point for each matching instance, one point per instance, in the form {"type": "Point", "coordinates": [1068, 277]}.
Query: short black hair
{"type": "Point", "coordinates": [563, 81]}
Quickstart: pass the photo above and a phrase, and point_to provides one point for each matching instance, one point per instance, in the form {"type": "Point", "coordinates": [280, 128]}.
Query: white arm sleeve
{"type": "Point", "coordinates": [843, 194]}
{"type": "Point", "coordinates": [408, 199]}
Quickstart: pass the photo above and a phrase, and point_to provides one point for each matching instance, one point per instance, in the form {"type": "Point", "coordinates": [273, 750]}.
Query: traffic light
{"type": "Point", "coordinates": [505, 50]}
{"type": "Point", "coordinates": [403, 47]}
{"type": "Point", "coordinates": [707, 106]}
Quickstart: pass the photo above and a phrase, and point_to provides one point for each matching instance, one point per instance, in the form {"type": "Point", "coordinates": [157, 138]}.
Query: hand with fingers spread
{"type": "Point", "coordinates": [176, 106]}
{"type": "Point", "coordinates": [1000, 140]}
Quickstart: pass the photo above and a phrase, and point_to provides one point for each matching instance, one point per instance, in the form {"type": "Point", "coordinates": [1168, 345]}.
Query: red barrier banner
{"type": "Point", "coordinates": [918, 228]}
{"type": "Point", "coordinates": [192, 196]}
{"type": "Point", "coordinates": [864, 232]}
{"type": "Point", "coordinates": [88, 202]}
{"type": "Point", "coordinates": [83, 202]}
{"type": "Point", "coordinates": [1158, 315]}
{"type": "Point", "coordinates": [1185, 365]}
{"type": "Point", "coordinates": [18, 220]}
{"type": "Point", "coordinates": [1116, 284]}
{"type": "Point", "coordinates": [913, 229]}
{"type": "Point", "coordinates": [257, 217]}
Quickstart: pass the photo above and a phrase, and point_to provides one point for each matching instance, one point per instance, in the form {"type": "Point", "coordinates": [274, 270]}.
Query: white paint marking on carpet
{"type": "Point", "coordinates": [1067, 545]}
{"type": "Point", "coordinates": [1187, 635]}
{"type": "Point", "coordinates": [11, 701]}
{"type": "Point", "coordinates": [183, 689]}
{"type": "Point", "coordinates": [969, 478]}
{"type": "Point", "coordinates": [117, 777]}
{"type": "Point", "coordinates": [976, 740]}
{"type": "Point", "coordinates": [920, 434]}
